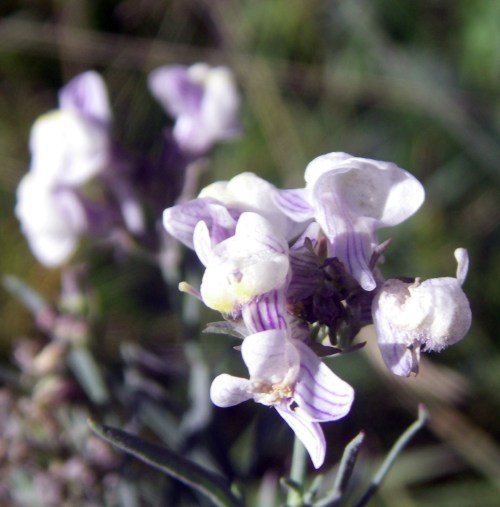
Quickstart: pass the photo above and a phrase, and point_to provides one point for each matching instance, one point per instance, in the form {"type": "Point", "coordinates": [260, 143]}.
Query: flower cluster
{"type": "Point", "coordinates": [83, 182]}
{"type": "Point", "coordinates": [295, 272]}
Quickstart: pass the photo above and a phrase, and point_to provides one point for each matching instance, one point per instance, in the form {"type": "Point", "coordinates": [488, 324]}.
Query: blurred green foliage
{"type": "Point", "coordinates": [416, 83]}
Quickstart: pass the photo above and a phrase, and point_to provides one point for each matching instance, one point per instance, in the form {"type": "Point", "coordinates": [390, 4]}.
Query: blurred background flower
{"type": "Point", "coordinates": [416, 83]}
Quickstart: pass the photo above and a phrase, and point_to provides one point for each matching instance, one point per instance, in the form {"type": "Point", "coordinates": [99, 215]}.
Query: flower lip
{"type": "Point", "coordinates": [239, 269]}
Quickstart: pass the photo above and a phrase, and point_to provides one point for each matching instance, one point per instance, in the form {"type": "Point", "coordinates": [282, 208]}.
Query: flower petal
{"type": "Point", "coordinates": [270, 357]}
{"type": "Point", "coordinates": [227, 390]}
{"type": "Point", "coordinates": [353, 197]}
{"type": "Point", "coordinates": [201, 242]}
{"type": "Point", "coordinates": [372, 189]}
{"type": "Point", "coordinates": [86, 95]}
{"type": "Point", "coordinates": [323, 164]}
{"type": "Point", "coordinates": [294, 203]}
{"type": "Point", "coordinates": [243, 267]}
{"type": "Point", "coordinates": [349, 239]}
{"type": "Point", "coordinates": [399, 358]}
{"type": "Point", "coordinates": [180, 220]}
{"type": "Point", "coordinates": [174, 90]}
{"type": "Point", "coordinates": [256, 233]}
{"type": "Point", "coordinates": [50, 223]}
{"type": "Point", "coordinates": [203, 100]}
{"type": "Point", "coordinates": [249, 192]}
{"type": "Point", "coordinates": [430, 315]}
{"type": "Point", "coordinates": [220, 107]}
{"type": "Point", "coordinates": [68, 148]}
{"type": "Point", "coordinates": [266, 312]}
{"type": "Point", "coordinates": [394, 328]}
{"type": "Point", "coordinates": [318, 391]}
{"type": "Point", "coordinates": [448, 315]}
{"type": "Point", "coordinates": [308, 432]}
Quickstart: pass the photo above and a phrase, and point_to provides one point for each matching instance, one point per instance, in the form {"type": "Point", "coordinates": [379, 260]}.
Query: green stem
{"type": "Point", "coordinates": [295, 497]}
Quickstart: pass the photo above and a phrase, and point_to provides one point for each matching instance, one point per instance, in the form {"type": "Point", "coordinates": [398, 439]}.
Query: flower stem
{"type": "Point", "coordinates": [423, 416]}
{"type": "Point", "coordinates": [295, 497]}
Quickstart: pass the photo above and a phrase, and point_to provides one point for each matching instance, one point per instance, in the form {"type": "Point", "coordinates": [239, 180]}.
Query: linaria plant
{"type": "Point", "coordinates": [295, 274]}
{"type": "Point", "coordinates": [288, 294]}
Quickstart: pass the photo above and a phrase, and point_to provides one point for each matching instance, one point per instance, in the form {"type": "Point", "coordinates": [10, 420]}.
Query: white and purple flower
{"type": "Point", "coordinates": [203, 100]}
{"type": "Point", "coordinates": [287, 375]}
{"type": "Point", "coordinates": [429, 316]}
{"type": "Point", "coordinates": [71, 148]}
{"type": "Point", "coordinates": [243, 267]}
{"type": "Point", "coordinates": [350, 198]}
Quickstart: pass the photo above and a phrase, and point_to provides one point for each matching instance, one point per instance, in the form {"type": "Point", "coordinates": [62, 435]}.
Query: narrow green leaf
{"type": "Point", "coordinates": [88, 373]}
{"type": "Point", "coordinates": [396, 449]}
{"type": "Point", "coordinates": [223, 327]}
{"type": "Point", "coordinates": [211, 485]}
{"type": "Point", "coordinates": [347, 463]}
{"type": "Point", "coordinates": [346, 468]}
{"type": "Point", "coordinates": [31, 299]}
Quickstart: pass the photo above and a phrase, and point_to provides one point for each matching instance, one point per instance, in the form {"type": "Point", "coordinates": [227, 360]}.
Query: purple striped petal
{"type": "Point", "coordinates": [266, 312]}
{"type": "Point", "coordinates": [350, 239]}
{"type": "Point", "coordinates": [353, 197]}
{"type": "Point", "coordinates": [180, 220]}
{"type": "Point", "coordinates": [308, 432]}
{"type": "Point", "coordinates": [294, 203]}
{"type": "Point", "coordinates": [319, 392]}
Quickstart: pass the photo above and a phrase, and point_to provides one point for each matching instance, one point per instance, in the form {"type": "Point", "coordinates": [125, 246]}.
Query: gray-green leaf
{"type": "Point", "coordinates": [216, 488]}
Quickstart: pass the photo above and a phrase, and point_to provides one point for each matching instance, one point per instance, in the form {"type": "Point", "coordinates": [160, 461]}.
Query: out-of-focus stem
{"type": "Point", "coordinates": [295, 497]}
